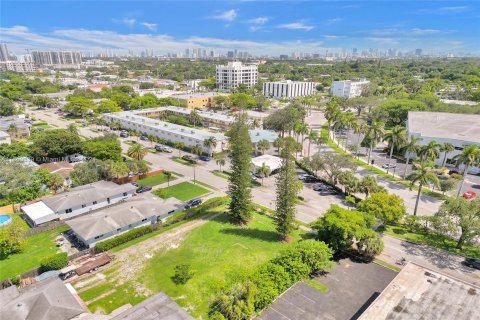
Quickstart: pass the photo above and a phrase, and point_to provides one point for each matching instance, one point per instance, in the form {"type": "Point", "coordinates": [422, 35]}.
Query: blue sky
{"type": "Point", "coordinates": [267, 27]}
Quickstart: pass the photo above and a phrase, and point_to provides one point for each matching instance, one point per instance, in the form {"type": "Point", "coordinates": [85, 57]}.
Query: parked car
{"type": "Point", "coordinates": [309, 178]}
{"type": "Point", "coordinates": [192, 203]}
{"type": "Point", "coordinates": [134, 183]}
{"type": "Point", "coordinates": [254, 178]}
{"type": "Point", "coordinates": [328, 192]}
{"type": "Point", "coordinates": [205, 158]}
{"type": "Point", "coordinates": [142, 189]}
{"type": "Point", "coordinates": [124, 134]}
{"type": "Point", "coordinates": [144, 138]}
{"type": "Point", "coordinates": [472, 263]}
{"type": "Point", "coordinates": [161, 147]}
{"type": "Point", "coordinates": [189, 159]}
{"type": "Point", "coordinates": [321, 187]}
{"type": "Point", "coordinates": [470, 194]}
{"type": "Point", "coordinates": [389, 166]}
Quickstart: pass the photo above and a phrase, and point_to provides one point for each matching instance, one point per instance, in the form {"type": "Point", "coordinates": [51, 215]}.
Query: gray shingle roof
{"type": "Point", "coordinates": [121, 215]}
{"type": "Point", "coordinates": [86, 194]}
{"type": "Point", "coordinates": [45, 300]}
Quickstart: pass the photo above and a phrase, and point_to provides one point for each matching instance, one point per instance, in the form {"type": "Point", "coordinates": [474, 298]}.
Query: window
{"type": "Point", "coordinates": [97, 237]}
{"type": "Point", "coordinates": [94, 202]}
{"type": "Point", "coordinates": [143, 220]}
{"type": "Point", "coordinates": [124, 194]}
{"type": "Point", "coordinates": [119, 229]}
{"type": "Point", "coordinates": [84, 205]}
{"type": "Point", "coordinates": [68, 211]}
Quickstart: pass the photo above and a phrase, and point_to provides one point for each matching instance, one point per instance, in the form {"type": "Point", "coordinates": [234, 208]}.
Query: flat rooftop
{"type": "Point", "coordinates": [180, 110]}
{"type": "Point", "coordinates": [194, 95]}
{"type": "Point", "coordinates": [453, 126]}
{"type": "Point", "coordinates": [420, 293]}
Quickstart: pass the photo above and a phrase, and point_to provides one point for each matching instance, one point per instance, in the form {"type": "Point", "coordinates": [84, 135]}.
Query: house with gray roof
{"type": "Point", "coordinates": [77, 201]}
{"type": "Point", "coordinates": [49, 299]}
{"type": "Point", "coordinates": [112, 221]}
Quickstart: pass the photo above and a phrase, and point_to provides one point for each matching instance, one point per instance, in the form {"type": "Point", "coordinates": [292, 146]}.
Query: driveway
{"type": "Point", "coordinates": [352, 287]}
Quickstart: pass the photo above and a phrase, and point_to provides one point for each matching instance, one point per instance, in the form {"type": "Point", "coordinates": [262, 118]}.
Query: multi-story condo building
{"type": "Point", "coordinates": [4, 55]}
{"type": "Point", "coordinates": [349, 88]}
{"type": "Point", "coordinates": [199, 100]}
{"type": "Point", "coordinates": [235, 73]}
{"type": "Point", "coordinates": [45, 58]}
{"type": "Point", "coordinates": [17, 66]}
{"type": "Point", "coordinates": [461, 130]}
{"type": "Point", "coordinates": [288, 89]}
{"type": "Point", "coordinates": [173, 133]}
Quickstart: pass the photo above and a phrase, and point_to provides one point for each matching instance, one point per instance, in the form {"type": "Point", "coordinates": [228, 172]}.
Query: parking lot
{"type": "Point", "coordinates": [352, 287]}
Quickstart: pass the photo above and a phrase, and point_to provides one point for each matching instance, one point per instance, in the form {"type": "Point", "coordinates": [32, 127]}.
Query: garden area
{"type": "Point", "coordinates": [157, 179]}
{"type": "Point", "coordinates": [183, 191]}
{"type": "Point", "coordinates": [217, 253]}
{"type": "Point", "coordinates": [38, 247]}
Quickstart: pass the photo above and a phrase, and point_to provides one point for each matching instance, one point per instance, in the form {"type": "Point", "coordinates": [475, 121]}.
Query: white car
{"type": "Point", "coordinates": [389, 166]}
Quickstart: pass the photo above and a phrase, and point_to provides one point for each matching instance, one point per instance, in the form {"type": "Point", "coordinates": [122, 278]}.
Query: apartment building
{"type": "Point", "coordinates": [65, 58]}
{"type": "Point", "coordinates": [77, 201]}
{"type": "Point", "coordinates": [171, 132]}
{"type": "Point", "coordinates": [461, 130]}
{"type": "Point", "coordinates": [288, 89]}
{"type": "Point", "coordinates": [4, 55]}
{"type": "Point", "coordinates": [233, 74]}
{"type": "Point", "coordinates": [349, 88]}
{"type": "Point", "coordinates": [17, 66]}
{"type": "Point", "coordinates": [199, 100]}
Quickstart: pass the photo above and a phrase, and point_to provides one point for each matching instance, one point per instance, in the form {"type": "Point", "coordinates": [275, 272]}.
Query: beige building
{"type": "Point", "coordinates": [197, 100]}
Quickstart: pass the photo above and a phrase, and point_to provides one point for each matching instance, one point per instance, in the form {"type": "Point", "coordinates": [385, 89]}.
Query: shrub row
{"type": "Point", "coordinates": [55, 262]}
{"type": "Point", "coordinates": [124, 237]}
{"type": "Point", "coordinates": [243, 299]}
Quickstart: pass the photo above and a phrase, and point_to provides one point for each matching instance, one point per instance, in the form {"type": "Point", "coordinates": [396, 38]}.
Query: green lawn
{"type": "Point", "coordinates": [156, 179]}
{"type": "Point", "coordinates": [180, 160]}
{"type": "Point", "coordinates": [432, 239]}
{"type": "Point", "coordinates": [42, 125]}
{"type": "Point", "coordinates": [38, 247]}
{"type": "Point", "coordinates": [218, 253]}
{"type": "Point", "coordinates": [183, 191]}
{"type": "Point", "coordinates": [222, 174]}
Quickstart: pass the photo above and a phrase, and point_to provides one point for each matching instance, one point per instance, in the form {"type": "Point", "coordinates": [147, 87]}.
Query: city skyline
{"type": "Point", "coordinates": [261, 28]}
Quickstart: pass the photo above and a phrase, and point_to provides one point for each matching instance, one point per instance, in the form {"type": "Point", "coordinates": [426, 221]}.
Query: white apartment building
{"type": "Point", "coordinates": [461, 130]}
{"type": "Point", "coordinates": [288, 89]}
{"type": "Point", "coordinates": [348, 88]}
{"type": "Point", "coordinates": [168, 131]}
{"type": "Point", "coordinates": [17, 66]}
{"type": "Point", "coordinates": [67, 58]}
{"type": "Point", "coordinates": [235, 73]}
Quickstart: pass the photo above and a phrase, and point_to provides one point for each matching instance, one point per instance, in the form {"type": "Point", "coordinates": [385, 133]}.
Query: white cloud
{"type": "Point", "coordinates": [383, 41]}
{"type": "Point", "coordinates": [444, 10]}
{"type": "Point", "coordinates": [296, 26]}
{"type": "Point", "coordinates": [333, 21]}
{"type": "Point", "coordinates": [259, 20]}
{"type": "Point", "coordinates": [332, 37]}
{"type": "Point", "coordinates": [228, 15]}
{"type": "Point", "coordinates": [126, 21]}
{"type": "Point", "coordinates": [422, 32]}
{"type": "Point", "coordinates": [150, 26]}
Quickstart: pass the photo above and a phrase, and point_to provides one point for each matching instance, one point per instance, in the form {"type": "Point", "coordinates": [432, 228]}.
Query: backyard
{"type": "Point", "coordinates": [217, 251]}
{"type": "Point", "coordinates": [183, 191]}
{"type": "Point", "coordinates": [38, 247]}
{"type": "Point", "coordinates": [157, 179]}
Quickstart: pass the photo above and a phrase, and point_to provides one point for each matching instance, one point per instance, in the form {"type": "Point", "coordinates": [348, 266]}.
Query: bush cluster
{"type": "Point", "coordinates": [265, 284]}
{"type": "Point", "coordinates": [55, 262]}
{"type": "Point", "coordinates": [124, 237]}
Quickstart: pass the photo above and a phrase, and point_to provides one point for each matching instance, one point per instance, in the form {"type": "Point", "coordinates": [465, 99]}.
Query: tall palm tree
{"type": "Point", "coordinates": [136, 152]}
{"type": "Point", "coordinates": [350, 121]}
{"type": "Point", "coordinates": [194, 117]}
{"type": "Point", "coordinates": [118, 169]}
{"type": "Point", "coordinates": [367, 185]}
{"type": "Point", "coordinates": [359, 128]}
{"type": "Point", "coordinates": [197, 149]}
{"type": "Point", "coordinates": [278, 143]}
{"type": "Point", "coordinates": [264, 171]}
{"type": "Point", "coordinates": [424, 175]}
{"type": "Point", "coordinates": [332, 111]}
{"type": "Point", "coordinates": [167, 175]}
{"type": "Point", "coordinates": [312, 137]}
{"type": "Point", "coordinates": [263, 145]}
{"type": "Point", "coordinates": [373, 135]}
{"type": "Point", "coordinates": [396, 138]}
{"type": "Point", "coordinates": [411, 147]}
{"type": "Point", "coordinates": [220, 162]}
{"type": "Point", "coordinates": [210, 143]}
{"type": "Point", "coordinates": [304, 129]}
{"type": "Point", "coordinates": [446, 148]}
{"type": "Point", "coordinates": [469, 157]}
{"type": "Point", "coordinates": [429, 152]}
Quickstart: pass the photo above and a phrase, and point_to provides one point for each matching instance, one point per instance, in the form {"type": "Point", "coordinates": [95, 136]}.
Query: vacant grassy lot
{"type": "Point", "coordinates": [432, 239]}
{"type": "Point", "coordinates": [38, 247]}
{"type": "Point", "coordinates": [218, 253]}
{"type": "Point", "coordinates": [156, 179]}
{"type": "Point", "coordinates": [183, 191]}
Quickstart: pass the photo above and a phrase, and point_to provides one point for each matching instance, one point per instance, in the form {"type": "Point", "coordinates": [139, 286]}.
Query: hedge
{"type": "Point", "coordinates": [55, 262]}
{"type": "Point", "coordinates": [124, 237]}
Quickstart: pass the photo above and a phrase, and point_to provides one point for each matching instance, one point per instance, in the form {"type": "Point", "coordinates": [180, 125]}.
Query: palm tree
{"type": "Point", "coordinates": [263, 145]}
{"type": "Point", "coordinates": [332, 111]}
{"type": "Point", "coordinates": [312, 137]}
{"type": "Point", "coordinates": [151, 138]}
{"type": "Point", "coordinates": [118, 169]}
{"type": "Point", "coordinates": [278, 143]}
{"type": "Point", "coordinates": [210, 143]}
{"type": "Point", "coordinates": [359, 128]}
{"type": "Point", "coordinates": [220, 162]}
{"type": "Point", "coordinates": [194, 117]}
{"type": "Point", "coordinates": [446, 148]}
{"type": "Point", "coordinates": [411, 147]}
{"type": "Point", "coordinates": [136, 152]}
{"type": "Point", "coordinates": [167, 175]}
{"type": "Point", "coordinates": [429, 152]}
{"type": "Point", "coordinates": [374, 135]}
{"type": "Point", "coordinates": [349, 200]}
{"type": "Point", "coordinates": [264, 171]}
{"type": "Point", "coordinates": [424, 175]}
{"type": "Point", "coordinates": [396, 138]}
{"type": "Point", "coordinates": [255, 124]}
{"type": "Point", "coordinates": [303, 130]}
{"type": "Point", "coordinates": [468, 158]}
{"type": "Point", "coordinates": [367, 185]}
{"type": "Point", "coordinates": [197, 149]}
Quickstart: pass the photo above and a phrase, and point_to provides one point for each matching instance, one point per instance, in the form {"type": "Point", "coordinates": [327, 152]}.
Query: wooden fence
{"type": "Point", "coordinates": [124, 180]}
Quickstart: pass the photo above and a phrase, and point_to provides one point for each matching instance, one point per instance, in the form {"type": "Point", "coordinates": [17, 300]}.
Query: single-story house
{"type": "Point", "coordinates": [47, 299]}
{"type": "Point", "coordinates": [273, 162]}
{"type": "Point", "coordinates": [257, 135]}
{"type": "Point", "coordinates": [112, 221]}
{"type": "Point", "coordinates": [77, 201]}
{"type": "Point", "coordinates": [63, 168]}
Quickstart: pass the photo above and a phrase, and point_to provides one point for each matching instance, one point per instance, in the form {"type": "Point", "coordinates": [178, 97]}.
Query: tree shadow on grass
{"type": "Point", "coordinates": [263, 235]}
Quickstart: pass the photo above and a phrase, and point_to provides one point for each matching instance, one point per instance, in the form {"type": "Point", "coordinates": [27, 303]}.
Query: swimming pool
{"type": "Point", "coordinates": [5, 219]}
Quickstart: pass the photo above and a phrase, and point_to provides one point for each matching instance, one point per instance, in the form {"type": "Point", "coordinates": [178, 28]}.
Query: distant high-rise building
{"type": "Point", "coordinates": [4, 55]}
{"type": "Point", "coordinates": [418, 52]}
{"type": "Point", "coordinates": [57, 57]}
{"type": "Point", "coordinates": [354, 52]}
{"type": "Point", "coordinates": [236, 73]}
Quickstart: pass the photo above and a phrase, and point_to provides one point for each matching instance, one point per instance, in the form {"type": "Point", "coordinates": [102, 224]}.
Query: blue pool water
{"type": "Point", "coordinates": [5, 219]}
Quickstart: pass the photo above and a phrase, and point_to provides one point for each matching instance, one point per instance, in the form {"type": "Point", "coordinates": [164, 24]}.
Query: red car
{"type": "Point", "coordinates": [469, 194]}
